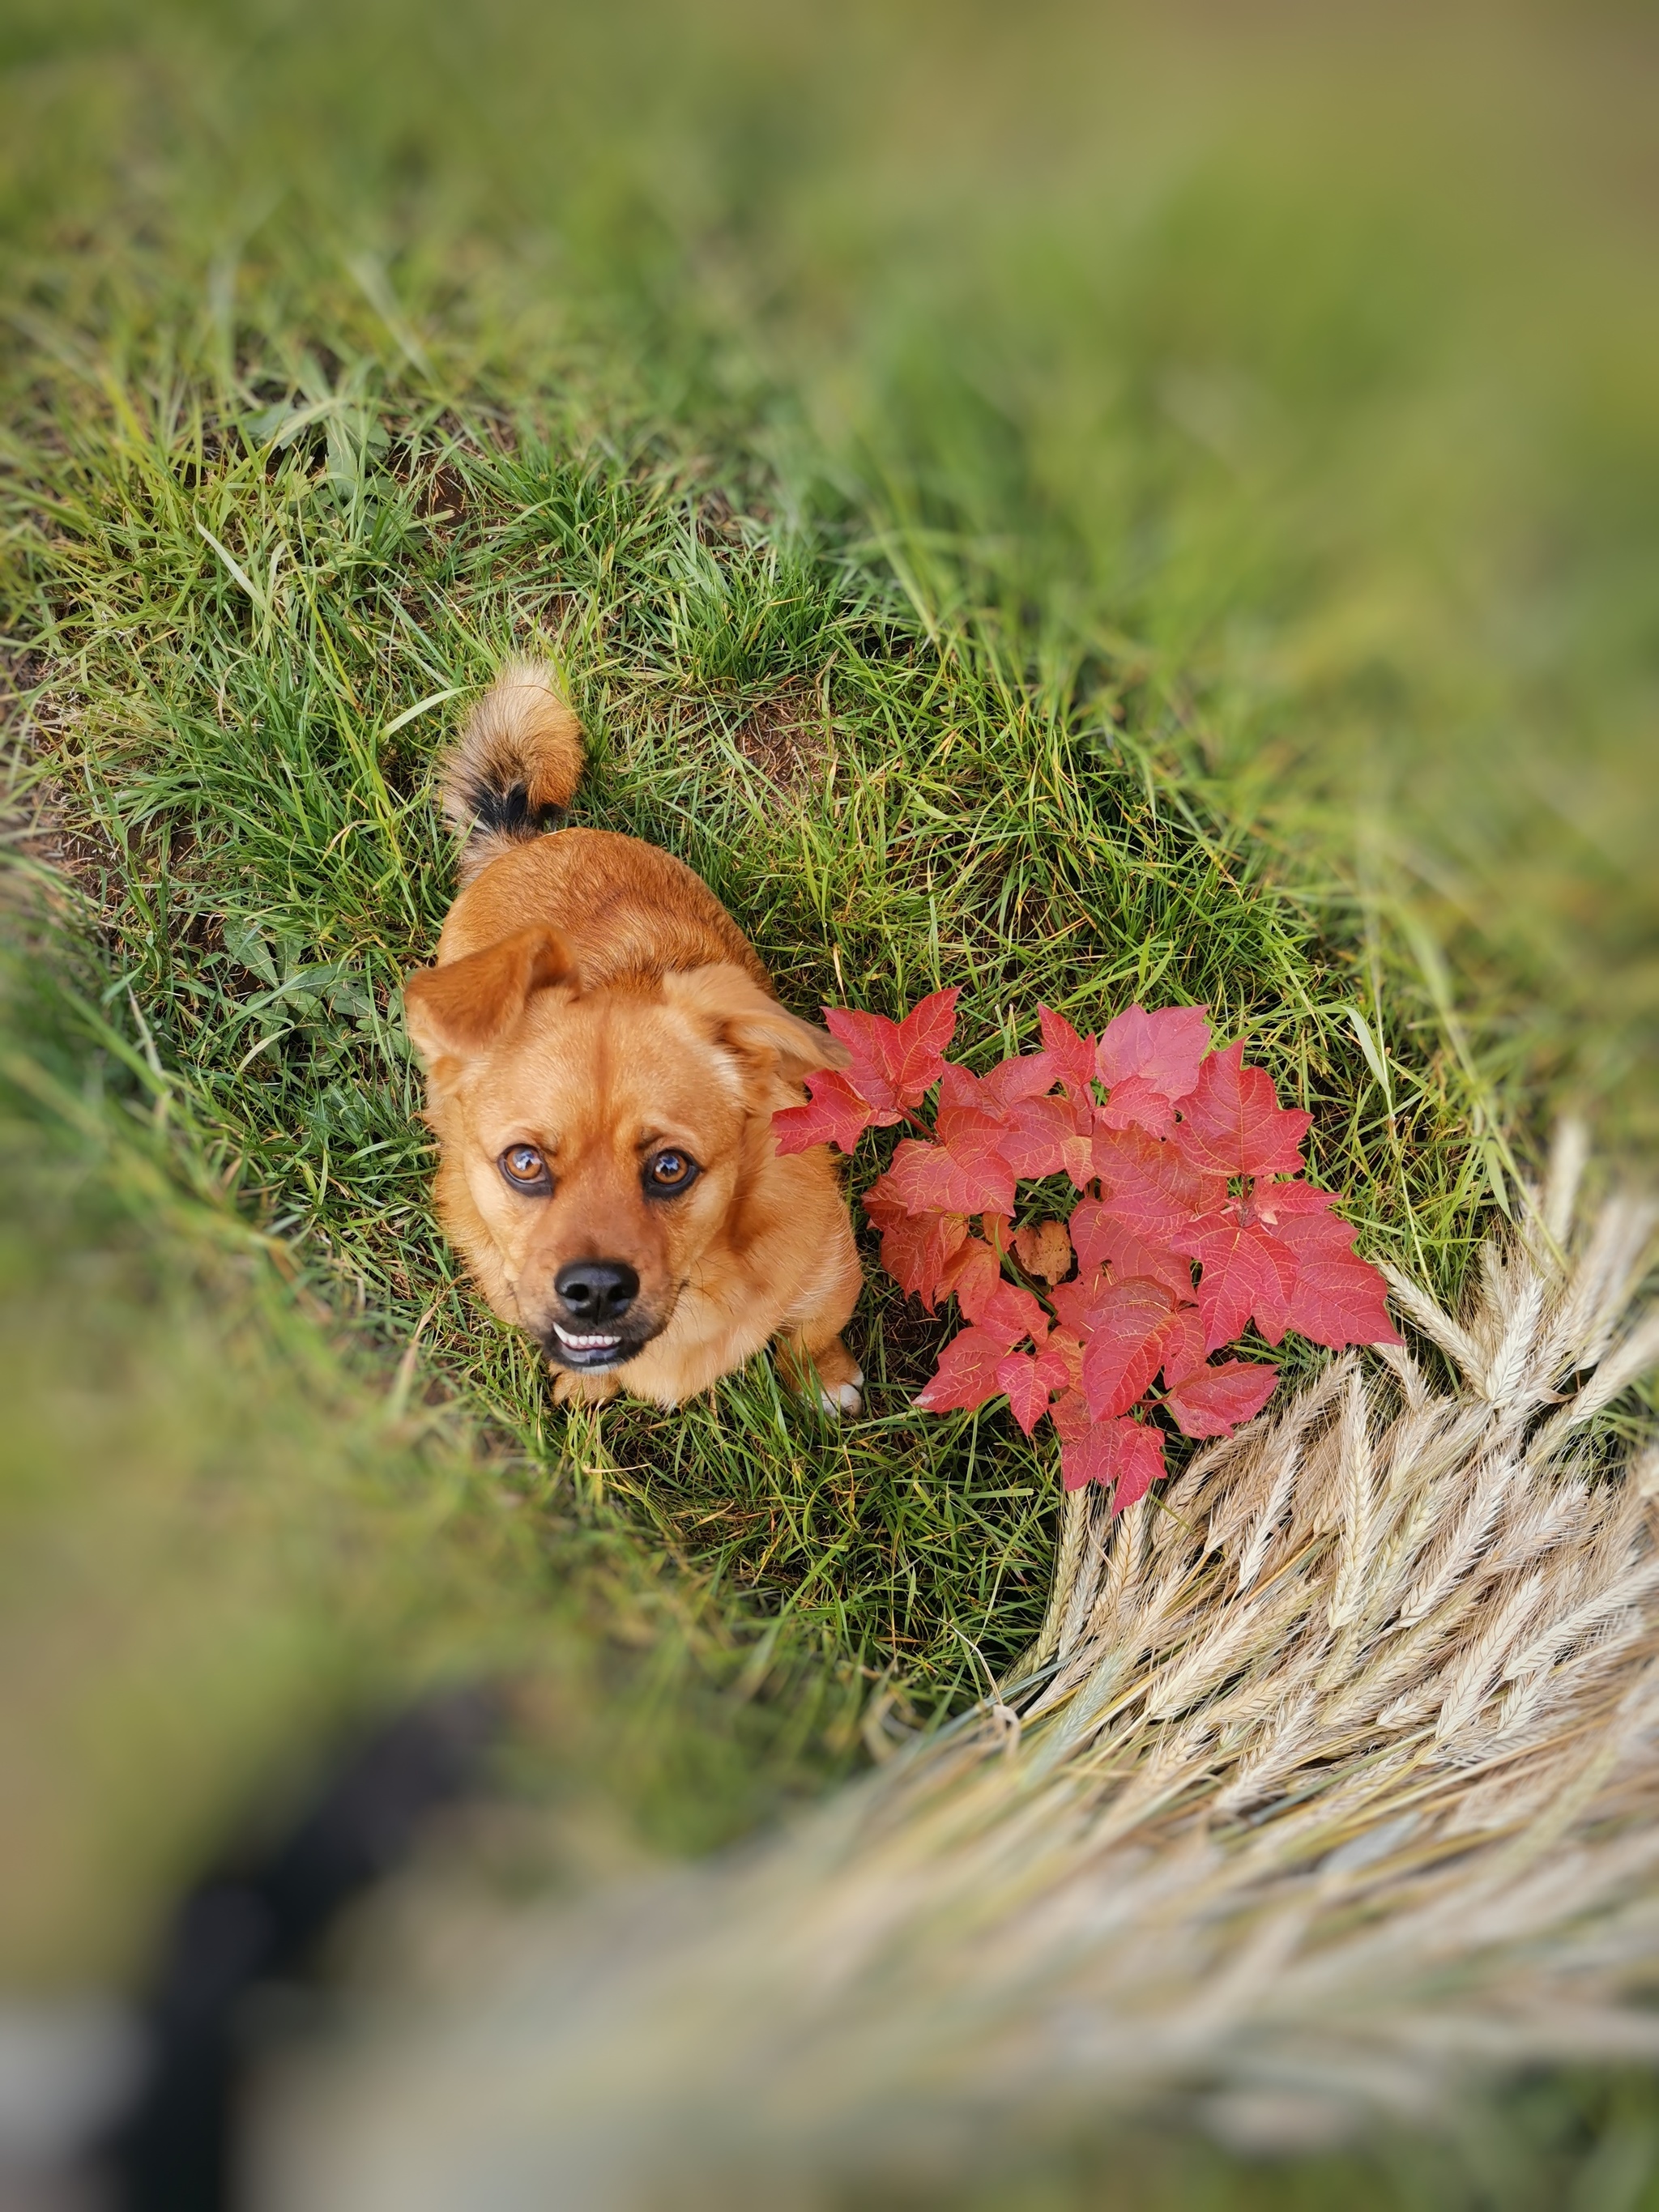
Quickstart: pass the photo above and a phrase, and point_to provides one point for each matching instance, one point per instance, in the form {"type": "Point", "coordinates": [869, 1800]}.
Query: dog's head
{"type": "Point", "coordinates": [608, 1138]}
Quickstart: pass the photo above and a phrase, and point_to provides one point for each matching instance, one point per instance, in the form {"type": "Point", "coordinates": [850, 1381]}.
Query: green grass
{"type": "Point", "coordinates": [1070, 512]}
{"type": "Point", "coordinates": [254, 635]}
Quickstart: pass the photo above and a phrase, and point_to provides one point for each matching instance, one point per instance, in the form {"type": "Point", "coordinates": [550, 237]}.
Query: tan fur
{"type": "Point", "coordinates": [521, 733]}
{"type": "Point", "coordinates": [592, 999]}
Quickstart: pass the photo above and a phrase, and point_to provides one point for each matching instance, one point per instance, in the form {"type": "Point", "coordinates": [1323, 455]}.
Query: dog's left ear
{"type": "Point", "coordinates": [770, 1044]}
{"type": "Point", "coordinates": [459, 1010]}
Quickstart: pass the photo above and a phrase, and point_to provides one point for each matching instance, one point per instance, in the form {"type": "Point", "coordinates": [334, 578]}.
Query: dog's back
{"type": "Point", "coordinates": [625, 908]}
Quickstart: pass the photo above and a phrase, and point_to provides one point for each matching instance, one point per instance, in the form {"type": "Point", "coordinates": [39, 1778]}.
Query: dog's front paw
{"type": "Point", "coordinates": [570, 1389]}
{"type": "Point", "coordinates": [839, 1398]}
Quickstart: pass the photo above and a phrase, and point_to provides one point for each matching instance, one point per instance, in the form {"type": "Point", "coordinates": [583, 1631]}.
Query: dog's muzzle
{"type": "Point", "coordinates": [598, 1322]}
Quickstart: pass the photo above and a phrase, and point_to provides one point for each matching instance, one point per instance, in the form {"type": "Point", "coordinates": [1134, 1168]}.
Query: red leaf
{"type": "Point", "coordinates": [993, 1228]}
{"type": "Point", "coordinates": [1075, 1302]}
{"type": "Point", "coordinates": [1011, 1314]}
{"type": "Point", "coordinates": [1129, 1454]}
{"type": "Point", "coordinates": [1027, 1387]}
{"type": "Point", "coordinates": [915, 1247]}
{"type": "Point", "coordinates": [1163, 1050]}
{"type": "Point", "coordinates": [1181, 1345]}
{"type": "Point", "coordinates": [966, 1374]}
{"type": "Point", "coordinates": [972, 1137]}
{"type": "Point", "coordinates": [1325, 1234]}
{"type": "Point", "coordinates": [962, 1125]}
{"type": "Point", "coordinates": [1277, 1201]}
{"type": "Point", "coordinates": [1134, 1104]}
{"type": "Point", "coordinates": [925, 1177]}
{"type": "Point", "coordinates": [1073, 1056]}
{"type": "Point", "coordinates": [1232, 1123]}
{"type": "Point", "coordinates": [835, 1116]}
{"type": "Point", "coordinates": [1336, 1297]}
{"type": "Point", "coordinates": [973, 1273]}
{"type": "Point", "coordinates": [1124, 1352]}
{"type": "Point", "coordinates": [1062, 1358]}
{"type": "Point", "coordinates": [1149, 1187]}
{"type": "Point", "coordinates": [1102, 1240]}
{"type": "Point", "coordinates": [1214, 1401]}
{"type": "Point", "coordinates": [1027, 1075]}
{"type": "Point", "coordinates": [1002, 1308]}
{"type": "Point", "coordinates": [1244, 1270]}
{"type": "Point", "coordinates": [893, 1063]}
{"type": "Point", "coordinates": [1045, 1136]}
{"type": "Point", "coordinates": [1070, 1415]}
{"type": "Point", "coordinates": [959, 1087]}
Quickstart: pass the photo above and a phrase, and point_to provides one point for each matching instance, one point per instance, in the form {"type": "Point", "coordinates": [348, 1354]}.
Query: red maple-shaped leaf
{"type": "Point", "coordinates": [1162, 1051]}
{"type": "Point", "coordinates": [1070, 1413]}
{"type": "Point", "coordinates": [1011, 1312]}
{"type": "Point", "coordinates": [1028, 1394]}
{"type": "Point", "coordinates": [1337, 1297]}
{"type": "Point", "coordinates": [995, 1228]}
{"type": "Point", "coordinates": [1075, 1302]}
{"type": "Point", "coordinates": [1232, 1123]}
{"type": "Point", "coordinates": [1024, 1075]}
{"type": "Point", "coordinates": [1195, 1162]}
{"type": "Point", "coordinates": [1137, 1104]}
{"type": "Point", "coordinates": [1064, 1351]}
{"type": "Point", "coordinates": [1272, 1202]}
{"type": "Point", "coordinates": [931, 1178]}
{"type": "Point", "coordinates": [1212, 1401]}
{"type": "Point", "coordinates": [1244, 1271]}
{"type": "Point", "coordinates": [917, 1248]}
{"type": "Point", "coordinates": [1103, 1241]}
{"type": "Point", "coordinates": [1030, 1379]}
{"type": "Point", "coordinates": [1123, 1350]}
{"type": "Point", "coordinates": [892, 1064]}
{"type": "Point", "coordinates": [1181, 1345]}
{"type": "Point", "coordinates": [1049, 1136]}
{"type": "Point", "coordinates": [972, 1274]}
{"type": "Point", "coordinates": [1073, 1056]}
{"type": "Point", "coordinates": [1150, 1187]}
{"type": "Point", "coordinates": [834, 1114]}
{"type": "Point", "coordinates": [961, 1091]}
{"type": "Point", "coordinates": [967, 1375]}
{"type": "Point", "coordinates": [968, 1114]}
{"type": "Point", "coordinates": [1124, 1456]}
{"type": "Point", "coordinates": [988, 1300]}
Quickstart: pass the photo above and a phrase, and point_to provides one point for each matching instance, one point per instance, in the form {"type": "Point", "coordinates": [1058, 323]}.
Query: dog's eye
{"type": "Point", "coordinates": [523, 1165]}
{"type": "Point", "coordinates": [667, 1172]}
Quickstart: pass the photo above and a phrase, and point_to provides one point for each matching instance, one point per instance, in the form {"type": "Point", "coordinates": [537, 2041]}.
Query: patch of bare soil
{"type": "Point", "coordinates": [37, 821]}
{"type": "Point", "coordinates": [787, 737]}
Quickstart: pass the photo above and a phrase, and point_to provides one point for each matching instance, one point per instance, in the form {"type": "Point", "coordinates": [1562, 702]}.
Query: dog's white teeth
{"type": "Point", "coordinates": [585, 1343]}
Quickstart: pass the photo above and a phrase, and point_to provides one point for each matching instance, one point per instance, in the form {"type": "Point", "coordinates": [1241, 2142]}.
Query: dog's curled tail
{"type": "Point", "coordinates": [519, 758]}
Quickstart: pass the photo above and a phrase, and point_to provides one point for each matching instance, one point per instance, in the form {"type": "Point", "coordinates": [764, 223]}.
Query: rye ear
{"type": "Point", "coordinates": [456, 1011]}
{"type": "Point", "coordinates": [771, 1044]}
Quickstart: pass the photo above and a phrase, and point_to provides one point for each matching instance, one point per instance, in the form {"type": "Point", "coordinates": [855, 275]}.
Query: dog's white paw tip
{"type": "Point", "coordinates": [843, 1399]}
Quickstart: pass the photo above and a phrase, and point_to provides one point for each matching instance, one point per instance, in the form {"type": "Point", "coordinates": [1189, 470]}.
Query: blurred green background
{"type": "Point", "coordinates": [1266, 398]}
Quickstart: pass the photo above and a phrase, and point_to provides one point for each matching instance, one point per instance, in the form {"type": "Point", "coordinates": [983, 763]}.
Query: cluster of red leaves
{"type": "Point", "coordinates": [1183, 1157]}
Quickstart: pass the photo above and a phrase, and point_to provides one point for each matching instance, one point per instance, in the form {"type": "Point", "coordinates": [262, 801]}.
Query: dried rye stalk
{"type": "Point", "coordinates": [1333, 1778]}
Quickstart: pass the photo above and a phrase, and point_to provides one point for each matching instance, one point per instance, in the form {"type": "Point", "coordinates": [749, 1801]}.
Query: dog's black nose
{"type": "Point", "coordinates": [597, 1290]}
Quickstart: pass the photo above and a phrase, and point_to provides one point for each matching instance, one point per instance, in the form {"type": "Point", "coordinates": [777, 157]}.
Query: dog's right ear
{"type": "Point", "coordinates": [456, 1011]}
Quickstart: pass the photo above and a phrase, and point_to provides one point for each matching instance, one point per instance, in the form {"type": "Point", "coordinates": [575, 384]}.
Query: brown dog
{"type": "Point", "coordinates": [604, 1056]}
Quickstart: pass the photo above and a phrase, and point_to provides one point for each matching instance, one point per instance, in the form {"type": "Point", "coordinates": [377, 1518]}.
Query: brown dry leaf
{"type": "Point", "coordinates": [1044, 1249]}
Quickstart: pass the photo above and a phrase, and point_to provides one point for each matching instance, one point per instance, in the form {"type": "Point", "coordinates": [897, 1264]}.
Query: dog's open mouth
{"type": "Point", "coordinates": [573, 1350]}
